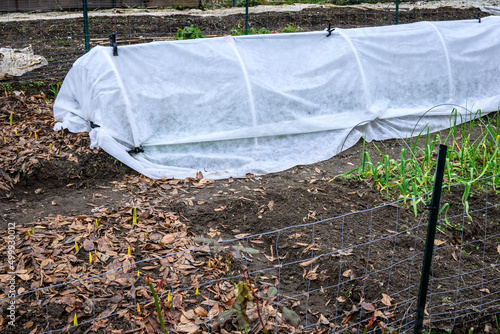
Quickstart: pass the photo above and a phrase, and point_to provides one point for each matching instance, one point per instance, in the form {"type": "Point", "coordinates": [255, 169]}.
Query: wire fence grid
{"type": "Point", "coordinates": [59, 36]}
{"type": "Point", "coordinates": [335, 278]}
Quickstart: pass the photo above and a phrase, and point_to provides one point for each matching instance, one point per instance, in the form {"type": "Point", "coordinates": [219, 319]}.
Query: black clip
{"type": "Point", "coordinates": [93, 125]}
{"type": "Point", "coordinates": [429, 207]}
{"type": "Point", "coordinates": [113, 44]}
{"type": "Point", "coordinates": [135, 150]}
{"type": "Point", "coordinates": [478, 17]}
{"type": "Point", "coordinates": [329, 29]}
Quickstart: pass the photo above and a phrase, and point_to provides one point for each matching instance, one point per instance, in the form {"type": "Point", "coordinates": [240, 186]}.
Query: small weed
{"type": "Point", "coordinates": [54, 89]}
{"type": "Point", "coordinates": [190, 32]}
{"type": "Point", "coordinates": [8, 88]}
{"type": "Point", "coordinates": [291, 28]}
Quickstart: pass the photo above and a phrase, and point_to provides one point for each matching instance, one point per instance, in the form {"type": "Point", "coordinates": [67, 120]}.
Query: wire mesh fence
{"type": "Point", "coordinates": [334, 278]}
{"type": "Point", "coordinates": [59, 35]}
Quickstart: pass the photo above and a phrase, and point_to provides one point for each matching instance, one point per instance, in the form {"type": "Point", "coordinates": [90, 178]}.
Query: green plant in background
{"type": "Point", "coordinates": [190, 32]}
{"type": "Point", "coordinates": [291, 28]}
{"type": "Point", "coordinates": [54, 89]}
{"type": "Point", "coordinates": [468, 160]}
{"type": "Point", "coordinates": [237, 31]}
{"type": "Point", "coordinates": [8, 88]}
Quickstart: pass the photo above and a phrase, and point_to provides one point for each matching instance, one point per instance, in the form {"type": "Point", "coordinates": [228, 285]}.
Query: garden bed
{"type": "Point", "coordinates": [55, 189]}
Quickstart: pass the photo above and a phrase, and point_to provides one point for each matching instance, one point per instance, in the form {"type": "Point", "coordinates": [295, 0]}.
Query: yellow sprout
{"type": "Point", "coordinates": [197, 292]}
{"type": "Point", "coordinates": [90, 257]}
{"type": "Point", "coordinates": [75, 321]}
{"type": "Point", "coordinates": [128, 251]}
{"type": "Point", "coordinates": [134, 217]}
{"type": "Point", "coordinates": [169, 297]}
{"type": "Point", "coordinates": [138, 273]}
{"type": "Point", "coordinates": [138, 309]}
{"type": "Point", "coordinates": [76, 246]}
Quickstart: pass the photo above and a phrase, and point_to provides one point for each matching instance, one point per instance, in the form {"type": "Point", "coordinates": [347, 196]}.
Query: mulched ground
{"type": "Point", "coordinates": [58, 192]}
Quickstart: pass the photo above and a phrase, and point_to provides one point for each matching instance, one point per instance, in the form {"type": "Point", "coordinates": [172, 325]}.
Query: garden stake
{"type": "Point", "coordinates": [431, 234]}
{"type": "Point", "coordinates": [86, 25]}
{"type": "Point", "coordinates": [246, 17]}
{"type": "Point", "coordinates": [397, 11]}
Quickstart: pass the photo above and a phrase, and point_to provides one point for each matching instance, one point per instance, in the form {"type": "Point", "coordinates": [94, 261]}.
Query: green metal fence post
{"type": "Point", "coordinates": [114, 3]}
{"type": "Point", "coordinates": [431, 235]}
{"type": "Point", "coordinates": [86, 25]}
{"type": "Point", "coordinates": [246, 17]}
{"type": "Point", "coordinates": [397, 11]}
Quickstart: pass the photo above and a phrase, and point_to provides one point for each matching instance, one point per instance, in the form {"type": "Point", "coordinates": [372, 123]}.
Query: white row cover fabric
{"type": "Point", "coordinates": [264, 103]}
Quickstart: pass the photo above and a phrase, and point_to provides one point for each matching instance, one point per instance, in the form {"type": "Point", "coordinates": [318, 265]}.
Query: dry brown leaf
{"type": "Point", "coordinates": [201, 311]}
{"type": "Point", "coordinates": [107, 312]}
{"type": "Point", "coordinates": [341, 299]}
{"type": "Point", "coordinates": [347, 318]}
{"type": "Point", "coordinates": [214, 311]}
{"type": "Point", "coordinates": [189, 328]}
{"type": "Point", "coordinates": [322, 319]}
{"type": "Point", "coordinates": [348, 273]}
{"type": "Point", "coordinates": [485, 290]}
{"type": "Point", "coordinates": [270, 205]}
{"type": "Point", "coordinates": [439, 242]}
{"type": "Point", "coordinates": [386, 300]}
{"type": "Point", "coordinates": [168, 239]}
{"type": "Point", "coordinates": [308, 262]}
{"type": "Point", "coordinates": [88, 245]}
{"type": "Point", "coordinates": [368, 306]}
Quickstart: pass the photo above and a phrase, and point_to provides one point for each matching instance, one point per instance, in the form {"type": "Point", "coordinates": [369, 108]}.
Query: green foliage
{"type": "Point", "coordinates": [237, 31]}
{"type": "Point", "coordinates": [54, 89]}
{"type": "Point", "coordinates": [470, 158]}
{"type": "Point", "coordinates": [7, 88]}
{"type": "Point", "coordinates": [291, 28]}
{"type": "Point", "coordinates": [190, 32]}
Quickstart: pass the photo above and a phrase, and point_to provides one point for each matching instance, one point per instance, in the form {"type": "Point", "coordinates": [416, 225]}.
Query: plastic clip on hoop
{"type": "Point", "coordinates": [93, 125]}
{"type": "Point", "coordinates": [113, 44]}
{"type": "Point", "coordinates": [135, 150]}
{"type": "Point", "coordinates": [329, 29]}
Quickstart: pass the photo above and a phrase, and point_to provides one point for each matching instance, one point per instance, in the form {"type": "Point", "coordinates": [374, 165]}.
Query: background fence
{"type": "Point", "coordinates": [334, 278]}
{"type": "Point", "coordinates": [60, 37]}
